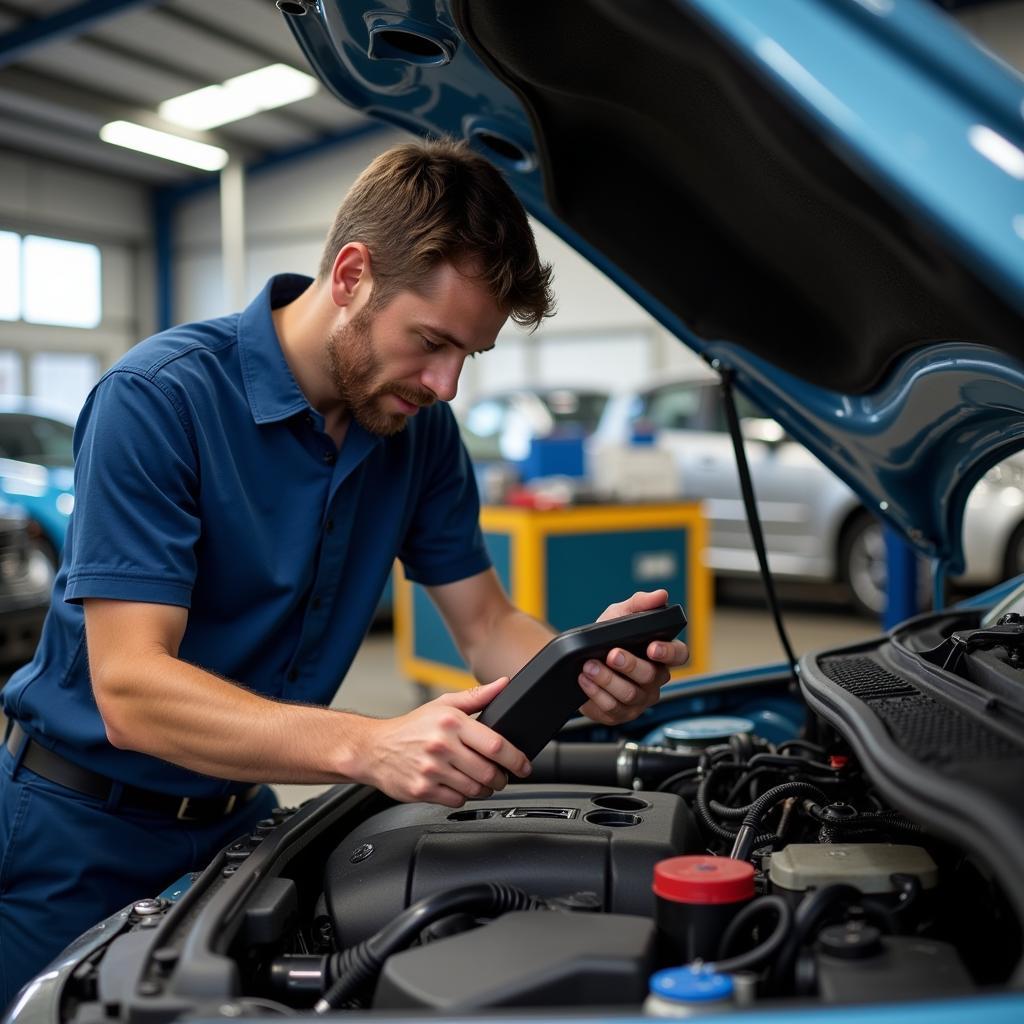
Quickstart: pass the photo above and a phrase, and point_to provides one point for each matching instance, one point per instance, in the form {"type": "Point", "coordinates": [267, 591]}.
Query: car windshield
{"type": "Point", "coordinates": [690, 406]}
{"type": "Point", "coordinates": [580, 409]}
{"type": "Point", "coordinates": [36, 439]}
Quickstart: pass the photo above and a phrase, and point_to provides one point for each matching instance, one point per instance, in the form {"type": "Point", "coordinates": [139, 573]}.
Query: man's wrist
{"type": "Point", "coordinates": [351, 757]}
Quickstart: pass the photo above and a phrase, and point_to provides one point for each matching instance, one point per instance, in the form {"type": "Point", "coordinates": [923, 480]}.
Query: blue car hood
{"type": "Point", "coordinates": [824, 196]}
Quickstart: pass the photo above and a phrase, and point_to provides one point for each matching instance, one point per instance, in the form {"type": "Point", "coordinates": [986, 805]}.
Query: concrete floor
{"type": "Point", "coordinates": [742, 634]}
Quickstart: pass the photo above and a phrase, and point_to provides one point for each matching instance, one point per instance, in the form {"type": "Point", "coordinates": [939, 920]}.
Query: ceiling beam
{"type": "Point", "coordinates": [49, 101]}
{"type": "Point", "coordinates": [66, 24]}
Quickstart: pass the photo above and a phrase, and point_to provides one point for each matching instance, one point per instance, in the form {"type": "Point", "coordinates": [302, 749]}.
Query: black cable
{"type": "Point", "coordinates": [763, 950]}
{"type": "Point", "coordinates": [813, 748]}
{"type": "Point", "coordinates": [745, 837]}
{"type": "Point", "coordinates": [750, 504]}
{"type": "Point", "coordinates": [704, 813]}
{"type": "Point", "coordinates": [686, 773]}
{"type": "Point", "coordinates": [354, 967]}
{"type": "Point", "coordinates": [810, 913]}
{"type": "Point", "coordinates": [785, 773]}
{"type": "Point", "coordinates": [877, 820]}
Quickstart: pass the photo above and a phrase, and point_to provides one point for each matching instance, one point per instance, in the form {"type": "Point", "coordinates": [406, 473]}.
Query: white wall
{"type": "Point", "coordinates": [288, 212]}
{"type": "Point", "coordinates": [45, 198]}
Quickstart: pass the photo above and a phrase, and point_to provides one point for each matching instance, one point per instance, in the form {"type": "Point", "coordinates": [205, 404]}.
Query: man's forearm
{"type": "Point", "coordinates": [511, 641]}
{"type": "Point", "coordinates": [180, 713]}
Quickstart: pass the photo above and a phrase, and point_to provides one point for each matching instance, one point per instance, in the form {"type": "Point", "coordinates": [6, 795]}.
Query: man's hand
{"type": "Point", "coordinates": [439, 754]}
{"type": "Point", "coordinates": [624, 686]}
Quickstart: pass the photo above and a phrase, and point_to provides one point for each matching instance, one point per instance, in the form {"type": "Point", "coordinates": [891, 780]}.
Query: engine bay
{"type": "Point", "coordinates": [704, 860]}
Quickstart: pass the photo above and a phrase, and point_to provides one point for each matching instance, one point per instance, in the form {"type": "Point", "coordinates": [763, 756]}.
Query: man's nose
{"type": "Point", "coordinates": [442, 377]}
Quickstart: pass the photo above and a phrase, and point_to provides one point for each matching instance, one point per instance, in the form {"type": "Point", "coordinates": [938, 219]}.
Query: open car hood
{"type": "Point", "coordinates": [826, 196]}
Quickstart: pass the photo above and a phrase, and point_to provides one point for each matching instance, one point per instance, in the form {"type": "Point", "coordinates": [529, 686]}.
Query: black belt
{"type": "Point", "coordinates": [55, 768]}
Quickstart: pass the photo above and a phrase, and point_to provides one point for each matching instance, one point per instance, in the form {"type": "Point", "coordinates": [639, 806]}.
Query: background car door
{"type": "Point", "coordinates": [798, 499]}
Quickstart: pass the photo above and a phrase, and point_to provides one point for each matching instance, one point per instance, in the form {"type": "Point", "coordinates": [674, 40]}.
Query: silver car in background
{"type": "Point", "coordinates": [815, 527]}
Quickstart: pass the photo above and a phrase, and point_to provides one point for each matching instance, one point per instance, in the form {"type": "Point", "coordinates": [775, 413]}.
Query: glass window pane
{"type": "Point", "coordinates": [61, 282]}
{"type": "Point", "coordinates": [675, 407]}
{"type": "Point", "coordinates": [12, 381]}
{"type": "Point", "coordinates": [10, 276]}
{"type": "Point", "coordinates": [64, 378]}
{"type": "Point", "coordinates": [50, 442]}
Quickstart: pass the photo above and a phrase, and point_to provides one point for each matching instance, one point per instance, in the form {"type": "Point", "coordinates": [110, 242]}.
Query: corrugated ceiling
{"type": "Point", "coordinates": [55, 97]}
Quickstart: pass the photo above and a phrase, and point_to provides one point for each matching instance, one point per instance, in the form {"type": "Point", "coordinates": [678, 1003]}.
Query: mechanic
{"type": "Point", "coordinates": [243, 486]}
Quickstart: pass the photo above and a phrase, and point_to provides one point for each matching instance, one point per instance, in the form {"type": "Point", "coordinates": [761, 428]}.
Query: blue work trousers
{"type": "Point", "coordinates": [67, 861]}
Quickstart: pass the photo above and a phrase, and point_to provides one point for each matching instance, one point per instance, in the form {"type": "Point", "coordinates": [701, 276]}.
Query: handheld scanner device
{"type": "Point", "coordinates": [545, 693]}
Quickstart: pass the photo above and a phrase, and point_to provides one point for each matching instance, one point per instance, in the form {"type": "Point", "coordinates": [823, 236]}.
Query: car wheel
{"type": "Point", "coordinates": [42, 562]}
{"type": "Point", "coordinates": [863, 566]}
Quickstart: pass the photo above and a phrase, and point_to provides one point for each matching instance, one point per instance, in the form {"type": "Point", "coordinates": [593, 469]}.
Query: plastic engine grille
{"type": "Point", "coordinates": [924, 729]}
{"type": "Point", "coordinates": [865, 678]}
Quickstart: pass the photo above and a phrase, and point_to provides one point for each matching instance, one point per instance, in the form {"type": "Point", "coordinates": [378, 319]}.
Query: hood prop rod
{"type": "Point", "coordinates": [750, 506]}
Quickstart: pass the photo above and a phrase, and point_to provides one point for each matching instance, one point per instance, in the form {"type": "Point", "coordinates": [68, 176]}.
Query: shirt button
{"type": "Point", "coordinates": [329, 458]}
{"type": "Point", "coordinates": [316, 603]}
{"type": "Point", "coordinates": [329, 526]}
{"type": "Point", "coordinates": [293, 674]}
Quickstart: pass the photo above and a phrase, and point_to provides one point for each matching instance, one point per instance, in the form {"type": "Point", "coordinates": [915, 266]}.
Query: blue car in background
{"type": "Point", "coordinates": [824, 199]}
{"type": "Point", "coordinates": [36, 469]}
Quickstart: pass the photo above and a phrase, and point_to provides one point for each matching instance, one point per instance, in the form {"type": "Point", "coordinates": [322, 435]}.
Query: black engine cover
{"type": "Point", "coordinates": [550, 841]}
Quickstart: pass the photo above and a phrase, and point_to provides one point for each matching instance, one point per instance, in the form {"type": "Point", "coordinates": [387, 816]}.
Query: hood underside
{"type": "Point", "coordinates": [822, 195]}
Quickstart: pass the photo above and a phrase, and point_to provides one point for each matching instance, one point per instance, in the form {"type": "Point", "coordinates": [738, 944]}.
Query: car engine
{"type": "Point", "coordinates": [702, 862]}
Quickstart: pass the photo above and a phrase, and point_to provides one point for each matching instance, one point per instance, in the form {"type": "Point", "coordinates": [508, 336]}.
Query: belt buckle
{"type": "Point", "coordinates": [183, 814]}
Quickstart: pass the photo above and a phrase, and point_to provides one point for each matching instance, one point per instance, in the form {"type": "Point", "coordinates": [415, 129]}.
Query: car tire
{"type": "Point", "coordinates": [862, 564]}
{"type": "Point", "coordinates": [43, 562]}
{"type": "Point", "coordinates": [864, 567]}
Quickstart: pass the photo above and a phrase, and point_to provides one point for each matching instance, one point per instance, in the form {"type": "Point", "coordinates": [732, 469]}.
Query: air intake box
{"type": "Point", "coordinates": [550, 841]}
{"type": "Point", "coordinates": [543, 958]}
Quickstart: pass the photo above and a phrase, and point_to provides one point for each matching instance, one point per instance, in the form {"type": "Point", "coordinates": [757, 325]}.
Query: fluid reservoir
{"type": "Point", "coordinates": [688, 992]}
{"type": "Point", "coordinates": [697, 898]}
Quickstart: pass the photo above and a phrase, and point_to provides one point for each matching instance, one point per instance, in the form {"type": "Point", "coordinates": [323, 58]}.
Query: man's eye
{"type": "Point", "coordinates": [430, 346]}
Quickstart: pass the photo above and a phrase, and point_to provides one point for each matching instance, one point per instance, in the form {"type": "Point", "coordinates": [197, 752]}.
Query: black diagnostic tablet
{"type": "Point", "coordinates": [545, 693]}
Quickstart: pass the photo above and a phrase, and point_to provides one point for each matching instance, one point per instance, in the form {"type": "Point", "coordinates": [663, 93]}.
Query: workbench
{"type": "Point", "coordinates": [565, 566]}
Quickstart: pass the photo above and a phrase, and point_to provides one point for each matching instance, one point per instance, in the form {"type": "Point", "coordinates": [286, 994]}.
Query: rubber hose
{"type": "Point", "coordinates": [745, 841]}
{"type": "Point", "coordinates": [763, 950]}
{"type": "Point", "coordinates": [809, 914]}
{"type": "Point", "coordinates": [704, 815]}
{"type": "Point", "coordinates": [354, 967]}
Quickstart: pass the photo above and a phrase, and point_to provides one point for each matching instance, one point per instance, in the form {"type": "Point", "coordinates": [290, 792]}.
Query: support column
{"type": "Point", "coordinates": [232, 233]}
{"type": "Point", "coordinates": [901, 559]}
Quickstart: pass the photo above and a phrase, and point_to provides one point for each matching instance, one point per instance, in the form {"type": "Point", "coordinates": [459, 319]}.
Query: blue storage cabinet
{"type": "Point", "coordinates": [565, 566]}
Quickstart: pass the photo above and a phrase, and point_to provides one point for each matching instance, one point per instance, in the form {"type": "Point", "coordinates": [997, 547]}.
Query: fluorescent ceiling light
{"type": "Point", "coordinates": [242, 96]}
{"type": "Point", "coordinates": [165, 145]}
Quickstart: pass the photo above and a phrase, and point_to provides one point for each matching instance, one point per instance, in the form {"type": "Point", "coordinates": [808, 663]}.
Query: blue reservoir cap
{"type": "Point", "coordinates": [691, 985]}
{"type": "Point", "coordinates": [699, 730]}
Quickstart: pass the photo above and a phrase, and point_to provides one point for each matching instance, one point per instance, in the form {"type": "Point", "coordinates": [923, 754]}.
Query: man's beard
{"type": "Point", "coordinates": [355, 372]}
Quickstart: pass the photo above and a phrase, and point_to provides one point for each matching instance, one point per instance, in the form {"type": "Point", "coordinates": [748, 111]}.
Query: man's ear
{"type": "Point", "coordinates": [351, 276]}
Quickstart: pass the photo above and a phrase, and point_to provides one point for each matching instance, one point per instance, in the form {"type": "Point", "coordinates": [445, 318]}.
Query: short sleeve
{"type": "Point", "coordinates": [444, 542]}
{"type": "Point", "coordinates": [135, 523]}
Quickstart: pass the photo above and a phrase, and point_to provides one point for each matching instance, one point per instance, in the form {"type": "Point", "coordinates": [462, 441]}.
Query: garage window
{"type": "Point", "coordinates": [10, 276]}
{"type": "Point", "coordinates": [50, 281]}
{"type": "Point", "coordinates": [64, 377]}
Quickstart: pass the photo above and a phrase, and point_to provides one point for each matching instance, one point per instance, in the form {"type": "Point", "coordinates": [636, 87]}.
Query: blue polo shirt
{"type": "Point", "coordinates": [204, 479]}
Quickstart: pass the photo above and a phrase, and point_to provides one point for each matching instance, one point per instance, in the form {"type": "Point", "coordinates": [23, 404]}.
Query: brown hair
{"type": "Point", "coordinates": [429, 202]}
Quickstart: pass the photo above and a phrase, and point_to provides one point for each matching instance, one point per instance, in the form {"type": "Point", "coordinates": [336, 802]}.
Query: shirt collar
{"type": "Point", "coordinates": [272, 390]}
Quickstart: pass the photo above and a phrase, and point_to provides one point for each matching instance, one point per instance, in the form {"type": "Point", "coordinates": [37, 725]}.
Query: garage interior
{"type": "Point", "coordinates": [163, 243]}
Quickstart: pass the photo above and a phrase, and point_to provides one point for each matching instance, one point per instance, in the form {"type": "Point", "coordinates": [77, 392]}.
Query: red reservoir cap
{"type": "Point", "coordinates": [703, 879]}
